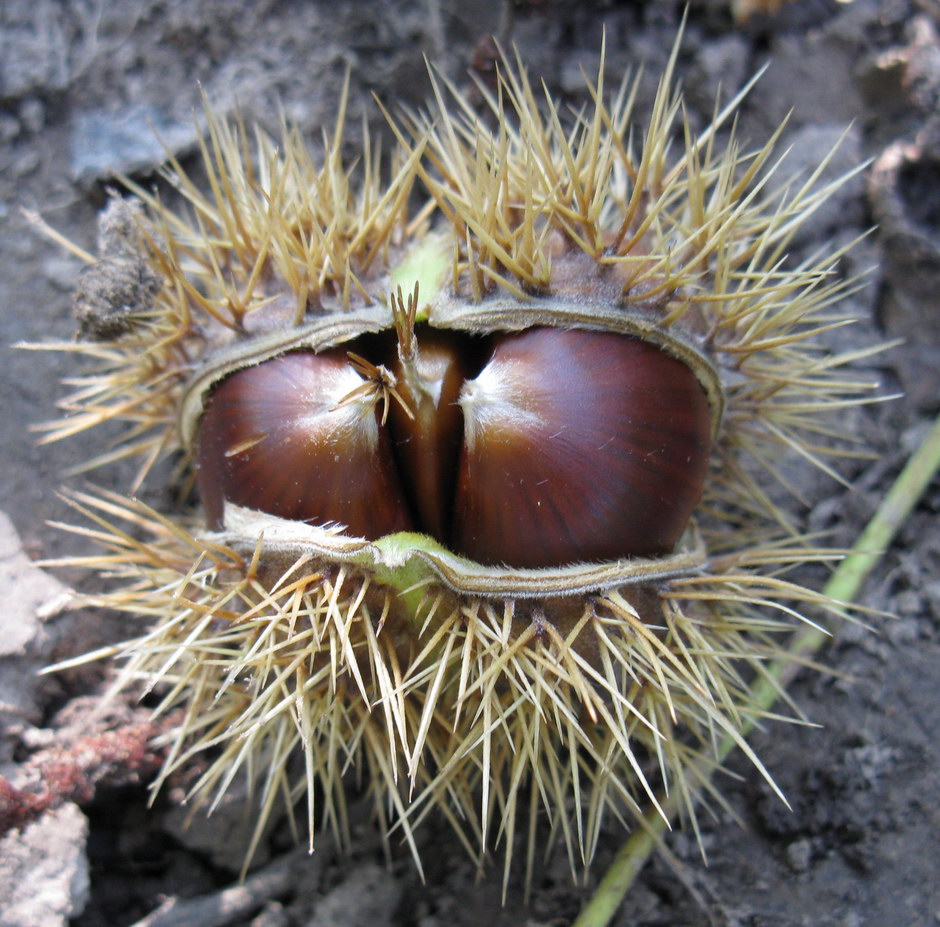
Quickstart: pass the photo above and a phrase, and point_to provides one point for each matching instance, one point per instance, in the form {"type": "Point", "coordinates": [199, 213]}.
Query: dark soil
{"type": "Point", "coordinates": [83, 87]}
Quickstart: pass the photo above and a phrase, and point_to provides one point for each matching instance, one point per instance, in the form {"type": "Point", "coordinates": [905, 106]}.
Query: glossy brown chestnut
{"type": "Point", "coordinates": [578, 445]}
{"type": "Point", "coordinates": [567, 445]}
{"type": "Point", "coordinates": [288, 437]}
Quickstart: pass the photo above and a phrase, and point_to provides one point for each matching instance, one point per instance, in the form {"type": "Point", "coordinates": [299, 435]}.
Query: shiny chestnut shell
{"type": "Point", "coordinates": [277, 437]}
{"type": "Point", "coordinates": [578, 445]}
{"type": "Point", "coordinates": [533, 449]}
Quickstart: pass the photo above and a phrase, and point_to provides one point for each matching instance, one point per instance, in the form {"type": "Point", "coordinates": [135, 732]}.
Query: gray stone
{"type": "Point", "coordinates": [33, 48]}
{"type": "Point", "coordinates": [272, 915]}
{"type": "Point", "coordinates": [44, 877]}
{"type": "Point", "coordinates": [800, 855]}
{"type": "Point", "coordinates": [807, 149]}
{"type": "Point", "coordinates": [932, 592]}
{"type": "Point", "coordinates": [30, 596]}
{"type": "Point", "coordinates": [367, 898]}
{"type": "Point", "coordinates": [811, 77]}
{"type": "Point", "coordinates": [720, 67]}
{"type": "Point", "coordinates": [32, 114]}
{"type": "Point", "coordinates": [135, 138]}
{"type": "Point", "coordinates": [224, 834]}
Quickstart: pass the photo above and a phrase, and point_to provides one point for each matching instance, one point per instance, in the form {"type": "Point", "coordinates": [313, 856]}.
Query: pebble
{"type": "Point", "coordinates": [809, 147]}
{"type": "Point", "coordinates": [800, 855]}
{"type": "Point", "coordinates": [224, 834]}
{"type": "Point", "coordinates": [24, 645]}
{"type": "Point", "coordinates": [44, 879]}
{"type": "Point", "coordinates": [367, 898]}
{"type": "Point", "coordinates": [133, 139]}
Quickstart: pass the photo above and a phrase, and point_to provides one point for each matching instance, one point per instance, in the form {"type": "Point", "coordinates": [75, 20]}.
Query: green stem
{"type": "Point", "coordinates": [844, 586]}
{"type": "Point", "coordinates": [406, 574]}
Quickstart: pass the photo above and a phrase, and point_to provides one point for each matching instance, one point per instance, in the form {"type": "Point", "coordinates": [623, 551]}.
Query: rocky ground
{"type": "Point", "coordinates": [83, 87]}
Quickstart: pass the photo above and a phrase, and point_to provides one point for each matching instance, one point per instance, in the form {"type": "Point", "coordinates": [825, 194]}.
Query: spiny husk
{"type": "Point", "coordinates": [479, 705]}
{"type": "Point", "coordinates": [694, 244]}
{"type": "Point", "coordinates": [488, 709]}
